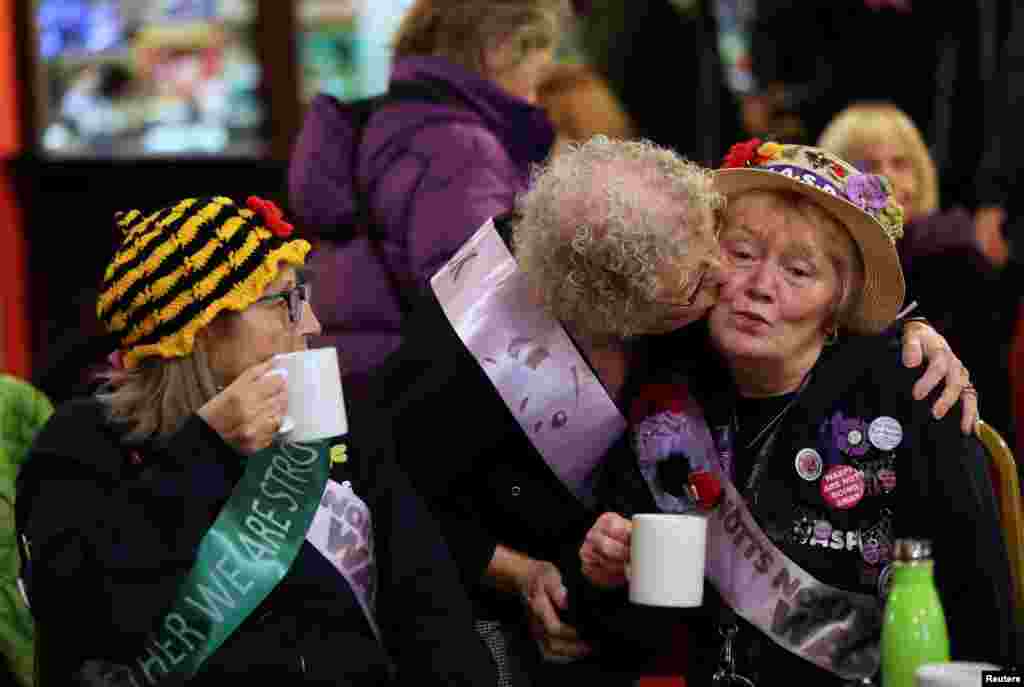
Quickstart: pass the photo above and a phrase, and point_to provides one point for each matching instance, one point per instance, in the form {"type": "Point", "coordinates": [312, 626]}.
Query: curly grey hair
{"type": "Point", "coordinates": [608, 227]}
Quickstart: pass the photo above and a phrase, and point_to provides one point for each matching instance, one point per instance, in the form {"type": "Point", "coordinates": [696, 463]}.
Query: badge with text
{"type": "Point", "coordinates": [885, 433]}
{"type": "Point", "coordinates": [809, 464]}
{"type": "Point", "coordinates": [842, 486]}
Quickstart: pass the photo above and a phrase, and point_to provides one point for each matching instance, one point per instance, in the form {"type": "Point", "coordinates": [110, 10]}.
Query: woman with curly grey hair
{"type": "Point", "coordinates": [517, 367]}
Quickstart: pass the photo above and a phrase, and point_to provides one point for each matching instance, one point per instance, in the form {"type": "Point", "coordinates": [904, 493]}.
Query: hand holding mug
{"type": "Point", "coordinates": [249, 412]}
{"type": "Point", "coordinates": [605, 551]}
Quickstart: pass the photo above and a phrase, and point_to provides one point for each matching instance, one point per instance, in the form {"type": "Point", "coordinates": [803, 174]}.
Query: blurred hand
{"type": "Point", "coordinates": [605, 551]}
{"type": "Point", "coordinates": [920, 342]}
{"type": "Point", "coordinates": [248, 413]}
{"type": "Point", "coordinates": [988, 227]}
{"type": "Point", "coordinates": [544, 595]}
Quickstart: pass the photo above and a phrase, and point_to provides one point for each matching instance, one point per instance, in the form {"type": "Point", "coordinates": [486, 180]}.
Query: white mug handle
{"type": "Point", "coordinates": [287, 423]}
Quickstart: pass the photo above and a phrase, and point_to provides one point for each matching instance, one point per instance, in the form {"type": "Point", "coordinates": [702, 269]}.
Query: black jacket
{"type": "Point", "coordinates": [482, 477]}
{"type": "Point", "coordinates": [943, 492]}
{"type": "Point", "coordinates": [111, 539]}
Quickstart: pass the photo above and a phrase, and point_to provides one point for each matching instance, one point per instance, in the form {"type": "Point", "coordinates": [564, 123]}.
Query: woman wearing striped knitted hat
{"type": "Point", "coordinates": [169, 529]}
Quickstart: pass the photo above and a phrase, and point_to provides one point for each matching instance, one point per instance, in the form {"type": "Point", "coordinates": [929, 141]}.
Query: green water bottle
{"type": "Point", "coordinates": [914, 625]}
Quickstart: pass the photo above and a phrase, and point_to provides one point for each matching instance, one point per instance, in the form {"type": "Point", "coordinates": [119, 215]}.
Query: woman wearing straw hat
{"type": "Point", "coordinates": [526, 351]}
{"type": "Point", "coordinates": [171, 536]}
{"type": "Point", "coordinates": [809, 413]}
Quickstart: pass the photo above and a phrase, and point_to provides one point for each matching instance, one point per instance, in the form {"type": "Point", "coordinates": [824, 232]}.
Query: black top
{"type": "Point", "coordinates": [487, 484]}
{"type": "Point", "coordinates": [111, 539]}
{"type": "Point", "coordinates": [934, 483]}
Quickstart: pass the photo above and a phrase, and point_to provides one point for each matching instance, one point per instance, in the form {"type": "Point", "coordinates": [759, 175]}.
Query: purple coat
{"type": "Point", "coordinates": [433, 174]}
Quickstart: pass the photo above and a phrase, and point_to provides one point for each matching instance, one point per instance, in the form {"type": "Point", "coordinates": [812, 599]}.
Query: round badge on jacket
{"type": "Point", "coordinates": [809, 464]}
{"type": "Point", "coordinates": [885, 433]}
{"type": "Point", "coordinates": [842, 486]}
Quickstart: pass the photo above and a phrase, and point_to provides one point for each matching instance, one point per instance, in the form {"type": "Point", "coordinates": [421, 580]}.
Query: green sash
{"type": "Point", "coordinates": [243, 556]}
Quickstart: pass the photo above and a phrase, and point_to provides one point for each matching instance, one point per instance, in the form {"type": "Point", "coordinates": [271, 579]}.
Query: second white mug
{"type": "Point", "coordinates": [667, 559]}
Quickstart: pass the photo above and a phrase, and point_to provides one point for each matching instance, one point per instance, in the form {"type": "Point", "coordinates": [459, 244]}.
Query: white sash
{"type": "Point", "coordinates": [342, 532]}
{"type": "Point", "coordinates": [761, 584]}
{"type": "Point", "coordinates": [530, 360]}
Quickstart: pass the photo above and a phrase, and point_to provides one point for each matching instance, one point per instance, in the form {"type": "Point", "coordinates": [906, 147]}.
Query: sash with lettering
{"type": "Point", "coordinates": [530, 360]}
{"type": "Point", "coordinates": [244, 555]}
{"type": "Point", "coordinates": [835, 629]}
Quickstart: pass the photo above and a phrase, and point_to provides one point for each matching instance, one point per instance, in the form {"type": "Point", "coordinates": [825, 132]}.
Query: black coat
{"type": "Point", "coordinates": [487, 484]}
{"type": "Point", "coordinates": [943, 493]}
{"type": "Point", "coordinates": [111, 540]}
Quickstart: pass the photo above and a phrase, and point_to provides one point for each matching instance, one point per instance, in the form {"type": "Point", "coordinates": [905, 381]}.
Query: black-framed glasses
{"type": "Point", "coordinates": [295, 297]}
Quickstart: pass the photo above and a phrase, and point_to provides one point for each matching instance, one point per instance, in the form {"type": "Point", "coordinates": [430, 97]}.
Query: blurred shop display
{"type": "Point", "coordinates": [345, 46]}
{"type": "Point", "coordinates": [138, 78]}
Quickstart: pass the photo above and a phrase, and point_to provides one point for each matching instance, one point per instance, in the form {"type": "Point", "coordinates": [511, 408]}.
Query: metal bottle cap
{"type": "Point", "coordinates": [912, 550]}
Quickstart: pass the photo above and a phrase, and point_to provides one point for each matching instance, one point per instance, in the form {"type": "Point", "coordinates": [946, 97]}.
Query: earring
{"type": "Point", "coordinates": [832, 336]}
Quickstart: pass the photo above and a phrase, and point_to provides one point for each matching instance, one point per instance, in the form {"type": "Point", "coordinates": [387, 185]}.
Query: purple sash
{"type": "Point", "coordinates": [835, 629]}
{"type": "Point", "coordinates": [530, 360]}
{"type": "Point", "coordinates": [343, 534]}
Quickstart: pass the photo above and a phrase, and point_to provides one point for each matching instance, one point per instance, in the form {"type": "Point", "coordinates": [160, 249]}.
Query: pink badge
{"type": "Point", "coordinates": [842, 486]}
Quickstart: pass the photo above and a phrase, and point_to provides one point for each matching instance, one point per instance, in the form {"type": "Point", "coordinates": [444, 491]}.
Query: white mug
{"type": "Point", "coordinates": [316, 404]}
{"type": "Point", "coordinates": [667, 559]}
{"type": "Point", "coordinates": [951, 674]}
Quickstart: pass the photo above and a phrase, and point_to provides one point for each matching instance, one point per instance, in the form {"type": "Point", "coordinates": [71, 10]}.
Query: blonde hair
{"type": "Point", "coordinates": [155, 398]}
{"type": "Point", "coordinates": [863, 124]}
{"type": "Point", "coordinates": [839, 246]}
{"type": "Point", "coordinates": [460, 30]}
{"type": "Point", "coordinates": [605, 224]}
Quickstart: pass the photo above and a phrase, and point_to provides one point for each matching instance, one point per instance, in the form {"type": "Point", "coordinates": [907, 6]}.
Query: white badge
{"type": "Point", "coordinates": [885, 433]}
{"type": "Point", "coordinates": [809, 464]}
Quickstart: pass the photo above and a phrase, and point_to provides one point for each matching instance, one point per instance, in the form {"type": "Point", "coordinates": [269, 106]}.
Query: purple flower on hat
{"type": "Point", "coordinates": [869, 191]}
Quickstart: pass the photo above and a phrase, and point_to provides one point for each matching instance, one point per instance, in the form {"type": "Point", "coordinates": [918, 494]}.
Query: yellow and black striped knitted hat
{"type": "Point", "coordinates": [180, 266]}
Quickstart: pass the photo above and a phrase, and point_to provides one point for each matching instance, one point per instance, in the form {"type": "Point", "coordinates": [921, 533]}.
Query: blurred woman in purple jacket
{"type": "Point", "coordinates": [429, 171]}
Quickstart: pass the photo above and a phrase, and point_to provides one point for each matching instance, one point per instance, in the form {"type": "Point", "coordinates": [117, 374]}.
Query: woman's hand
{"type": "Point", "coordinates": [248, 413]}
{"type": "Point", "coordinates": [544, 595]}
{"type": "Point", "coordinates": [921, 341]}
{"type": "Point", "coordinates": [605, 551]}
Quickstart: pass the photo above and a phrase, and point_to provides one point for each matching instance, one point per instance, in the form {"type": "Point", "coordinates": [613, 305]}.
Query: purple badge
{"type": "Point", "coordinates": [850, 435]}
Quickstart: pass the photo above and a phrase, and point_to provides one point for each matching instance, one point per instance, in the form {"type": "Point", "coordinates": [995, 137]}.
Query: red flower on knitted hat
{"type": "Point", "coordinates": [273, 218]}
{"type": "Point", "coordinates": [742, 154]}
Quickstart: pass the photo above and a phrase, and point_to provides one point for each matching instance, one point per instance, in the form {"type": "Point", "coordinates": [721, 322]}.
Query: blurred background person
{"type": "Point", "coordinates": [941, 253]}
{"type": "Point", "coordinates": [663, 60]}
{"type": "Point", "coordinates": [580, 105]}
{"type": "Point", "coordinates": [428, 173]}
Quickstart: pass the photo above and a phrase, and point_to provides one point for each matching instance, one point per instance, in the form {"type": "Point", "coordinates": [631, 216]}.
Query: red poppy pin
{"type": "Point", "coordinates": [273, 218]}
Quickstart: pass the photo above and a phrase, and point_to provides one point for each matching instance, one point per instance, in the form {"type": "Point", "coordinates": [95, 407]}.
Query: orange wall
{"type": "Point", "coordinates": [14, 330]}
{"type": "Point", "coordinates": [9, 134]}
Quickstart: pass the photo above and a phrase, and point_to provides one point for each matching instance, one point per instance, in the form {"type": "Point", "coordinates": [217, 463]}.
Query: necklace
{"type": "Point", "coordinates": [775, 420]}
{"type": "Point", "coordinates": [771, 423]}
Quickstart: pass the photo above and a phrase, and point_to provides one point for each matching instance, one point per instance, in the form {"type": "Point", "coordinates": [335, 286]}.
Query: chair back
{"type": "Point", "coordinates": [1011, 513]}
